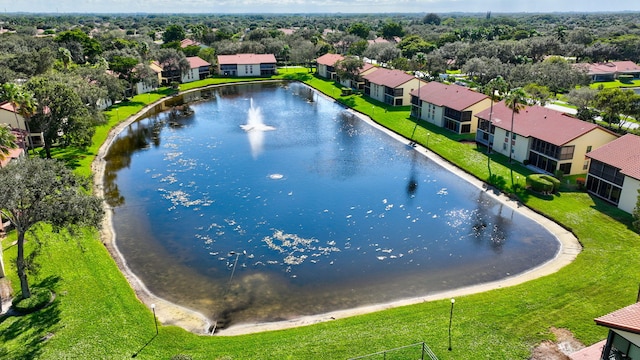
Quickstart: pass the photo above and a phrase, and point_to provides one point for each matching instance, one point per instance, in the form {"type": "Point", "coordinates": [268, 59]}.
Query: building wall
{"type": "Point", "coordinates": [432, 113]}
{"type": "Point", "coordinates": [595, 139]}
{"type": "Point", "coordinates": [520, 145]}
{"type": "Point", "coordinates": [476, 108]}
{"type": "Point", "coordinates": [8, 117]}
{"type": "Point", "coordinates": [629, 197]}
{"type": "Point", "coordinates": [408, 87]}
{"type": "Point", "coordinates": [249, 70]}
{"type": "Point", "coordinates": [377, 92]}
{"type": "Point", "coordinates": [322, 71]}
{"type": "Point", "coordinates": [143, 88]}
{"type": "Point", "coordinates": [191, 75]}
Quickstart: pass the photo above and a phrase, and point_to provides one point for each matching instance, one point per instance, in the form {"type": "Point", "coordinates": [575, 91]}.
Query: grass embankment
{"type": "Point", "coordinates": [96, 315]}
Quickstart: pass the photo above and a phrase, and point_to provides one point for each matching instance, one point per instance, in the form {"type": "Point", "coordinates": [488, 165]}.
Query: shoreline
{"type": "Point", "coordinates": [169, 313]}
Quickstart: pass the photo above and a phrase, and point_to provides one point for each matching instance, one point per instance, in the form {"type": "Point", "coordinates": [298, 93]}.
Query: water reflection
{"type": "Point", "coordinates": [326, 213]}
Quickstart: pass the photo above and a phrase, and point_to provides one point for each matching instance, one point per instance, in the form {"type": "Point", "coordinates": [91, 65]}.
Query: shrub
{"type": "Point", "coordinates": [543, 183]}
{"type": "Point", "coordinates": [580, 181]}
{"type": "Point", "coordinates": [40, 297]}
{"type": "Point", "coordinates": [625, 79]}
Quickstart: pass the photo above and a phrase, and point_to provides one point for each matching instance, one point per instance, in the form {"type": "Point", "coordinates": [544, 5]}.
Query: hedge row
{"type": "Point", "coordinates": [543, 183]}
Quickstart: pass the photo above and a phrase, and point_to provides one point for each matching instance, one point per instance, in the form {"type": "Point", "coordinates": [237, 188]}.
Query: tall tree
{"type": "Point", "coordinates": [349, 68]}
{"type": "Point", "coordinates": [515, 100]}
{"type": "Point", "coordinates": [61, 114]}
{"type": "Point", "coordinates": [495, 89]}
{"type": "Point", "coordinates": [172, 33]}
{"type": "Point", "coordinates": [583, 98]}
{"type": "Point", "coordinates": [617, 105]}
{"type": "Point", "coordinates": [39, 190]}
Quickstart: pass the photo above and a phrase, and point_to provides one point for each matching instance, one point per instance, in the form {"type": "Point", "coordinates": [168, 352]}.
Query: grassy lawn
{"type": "Point", "coordinates": [614, 84]}
{"type": "Point", "coordinates": [97, 316]}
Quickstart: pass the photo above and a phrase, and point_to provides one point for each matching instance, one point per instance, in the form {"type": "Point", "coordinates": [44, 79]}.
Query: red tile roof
{"type": "Point", "coordinates": [13, 154]}
{"type": "Point", "coordinates": [622, 153]}
{"type": "Point", "coordinates": [188, 42]}
{"type": "Point", "coordinates": [452, 96]}
{"type": "Point", "coordinates": [329, 59]}
{"type": "Point", "coordinates": [627, 319]}
{"type": "Point", "coordinates": [246, 59]}
{"type": "Point", "coordinates": [611, 67]}
{"type": "Point", "coordinates": [196, 62]}
{"type": "Point", "coordinates": [389, 78]}
{"type": "Point", "coordinates": [539, 122]}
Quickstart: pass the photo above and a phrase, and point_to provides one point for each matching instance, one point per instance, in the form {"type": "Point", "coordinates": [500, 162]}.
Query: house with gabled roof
{"type": "Point", "coordinates": [614, 172]}
{"type": "Point", "coordinates": [391, 87]}
{"type": "Point", "coordinates": [198, 69]}
{"type": "Point", "coordinates": [541, 138]}
{"type": "Point", "coordinates": [358, 82]}
{"type": "Point", "coordinates": [623, 339]}
{"type": "Point", "coordinates": [326, 65]}
{"type": "Point", "coordinates": [149, 85]}
{"type": "Point", "coordinates": [10, 116]}
{"type": "Point", "coordinates": [609, 71]}
{"type": "Point", "coordinates": [449, 106]}
{"type": "Point", "coordinates": [247, 65]}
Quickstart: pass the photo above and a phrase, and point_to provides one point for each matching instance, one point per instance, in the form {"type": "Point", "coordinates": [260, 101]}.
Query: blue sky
{"type": "Point", "coordinates": [315, 6]}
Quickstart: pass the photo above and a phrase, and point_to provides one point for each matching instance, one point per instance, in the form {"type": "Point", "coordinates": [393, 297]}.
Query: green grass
{"type": "Point", "coordinates": [614, 84]}
{"type": "Point", "coordinates": [97, 316]}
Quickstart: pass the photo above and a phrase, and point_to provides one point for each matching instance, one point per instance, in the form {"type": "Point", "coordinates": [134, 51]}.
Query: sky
{"type": "Point", "coordinates": [314, 6]}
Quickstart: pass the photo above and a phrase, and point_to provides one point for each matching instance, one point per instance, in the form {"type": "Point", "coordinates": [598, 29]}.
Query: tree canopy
{"type": "Point", "coordinates": [40, 190]}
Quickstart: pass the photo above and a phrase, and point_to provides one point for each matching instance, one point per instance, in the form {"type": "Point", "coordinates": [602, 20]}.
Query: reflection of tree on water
{"type": "Point", "coordinates": [412, 185]}
{"type": "Point", "coordinates": [139, 135]}
{"type": "Point", "coordinates": [485, 231]}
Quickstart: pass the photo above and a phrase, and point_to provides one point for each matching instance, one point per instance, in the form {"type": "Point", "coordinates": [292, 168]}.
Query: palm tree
{"type": "Point", "coordinates": [65, 56]}
{"type": "Point", "coordinates": [7, 142]}
{"type": "Point", "coordinates": [515, 100]}
{"type": "Point", "coordinates": [27, 107]}
{"type": "Point", "coordinates": [496, 85]}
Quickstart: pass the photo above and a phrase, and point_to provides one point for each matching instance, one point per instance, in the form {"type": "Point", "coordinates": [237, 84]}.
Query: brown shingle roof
{"type": "Point", "coordinates": [622, 153]}
{"type": "Point", "coordinates": [452, 96]}
{"type": "Point", "coordinates": [329, 59]}
{"type": "Point", "coordinates": [627, 319]}
{"type": "Point", "coordinates": [246, 59]}
{"type": "Point", "coordinates": [539, 122]}
{"type": "Point", "coordinates": [389, 78]}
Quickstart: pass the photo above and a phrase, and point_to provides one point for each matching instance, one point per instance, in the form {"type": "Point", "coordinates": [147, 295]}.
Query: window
{"type": "Point", "coordinates": [589, 148]}
{"type": "Point", "coordinates": [565, 168]}
{"type": "Point", "coordinates": [586, 165]}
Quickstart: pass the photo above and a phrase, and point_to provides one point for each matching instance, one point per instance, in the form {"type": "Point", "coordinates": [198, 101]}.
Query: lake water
{"type": "Point", "coordinates": [271, 202]}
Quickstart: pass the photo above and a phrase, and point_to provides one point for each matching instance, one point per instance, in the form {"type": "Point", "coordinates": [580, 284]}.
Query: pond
{"type": "Point", "coordinates": [270, 202]}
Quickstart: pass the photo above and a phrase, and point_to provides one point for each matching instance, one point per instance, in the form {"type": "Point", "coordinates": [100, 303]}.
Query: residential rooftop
{"type": "Point", "coordinates": [329, 59]}
{"type": "Point", "coordinates": [452, 96]}
{"type": "Point", "coordinates": [246, 59]}
{"type": "Point", "coordinates": [389, 78]}
{"type": "Point", "coordinates": [626, 319]}
{"type": "Point", "coordinates": [539, 122]}
{"type": "Point", "coordinates": [622, 153]}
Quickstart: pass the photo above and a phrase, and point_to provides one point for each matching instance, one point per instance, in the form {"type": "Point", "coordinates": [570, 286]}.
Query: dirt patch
{"type": "Point", "coordinates": [560, 349]}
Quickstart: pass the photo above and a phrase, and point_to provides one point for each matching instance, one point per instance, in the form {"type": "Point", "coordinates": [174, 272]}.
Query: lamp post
{"type": "Point", "coordinates": [453, 301]}
{"type": "Point", "coordinates": [428, 136]}
{"type": "Point", "coordinates": [155, 319]}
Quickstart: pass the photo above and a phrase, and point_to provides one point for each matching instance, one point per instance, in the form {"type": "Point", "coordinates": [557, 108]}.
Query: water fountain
{"type": "Point", "coordinates": [255, 129]}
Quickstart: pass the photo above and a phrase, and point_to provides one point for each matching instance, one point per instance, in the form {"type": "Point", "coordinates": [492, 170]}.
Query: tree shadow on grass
{"type": "Point", "coordinates": [32, 330]}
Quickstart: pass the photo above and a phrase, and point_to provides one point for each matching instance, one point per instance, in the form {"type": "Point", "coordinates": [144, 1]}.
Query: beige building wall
{"type": "Point", "coordinates": [9, 118]}
{"type": "Point", "coordinates": [475, 109]}
{"type": "Point", "coordinates": [594, 139]}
